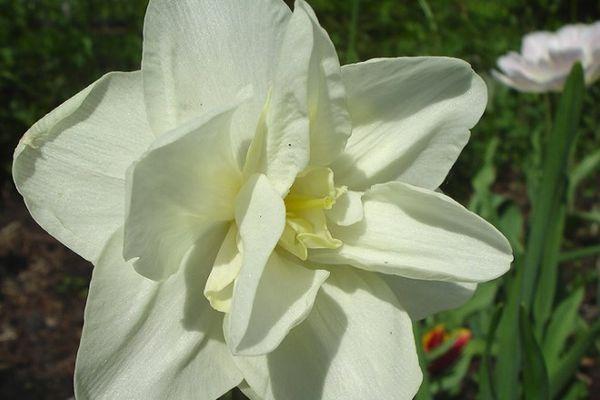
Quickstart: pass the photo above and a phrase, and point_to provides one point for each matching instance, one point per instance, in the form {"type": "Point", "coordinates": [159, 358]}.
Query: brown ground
{"type": "Point", "coordinates": [43, 287]}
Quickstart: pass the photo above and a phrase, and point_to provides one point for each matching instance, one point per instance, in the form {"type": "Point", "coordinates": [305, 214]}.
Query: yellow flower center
{"type": "Point", "coordinates": [312, 193]}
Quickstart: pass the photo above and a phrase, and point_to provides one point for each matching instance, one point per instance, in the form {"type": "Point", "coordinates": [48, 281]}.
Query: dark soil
{"type": "Point", "coordinates": [43, 287]}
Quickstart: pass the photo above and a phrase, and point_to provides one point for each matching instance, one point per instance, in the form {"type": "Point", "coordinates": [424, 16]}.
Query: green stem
{"type": "Point", "coordinates": [351, 53]}
{"type": "Point", "coordinates": [579, 253]}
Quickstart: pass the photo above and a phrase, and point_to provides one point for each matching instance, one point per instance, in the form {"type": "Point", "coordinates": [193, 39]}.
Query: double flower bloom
{"type": "Point", "coordinates": [257, 215]}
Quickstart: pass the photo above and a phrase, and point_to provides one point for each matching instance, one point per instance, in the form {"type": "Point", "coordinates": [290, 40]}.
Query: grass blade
{"type": "Point", "coordinates": [563, 323]}
{"type": "Point", "coordinates": [569, 363]}
{"type": "Point", "coordinates": [486, 381]}
{"type": "Point", "coordinates": [584, 169]}
{"type": "Point", "coordinates": [536, 385]}
{"type": "Point", "coordinates": [579, 253]}
{"type": "Point", "coordinates": [508, 359]}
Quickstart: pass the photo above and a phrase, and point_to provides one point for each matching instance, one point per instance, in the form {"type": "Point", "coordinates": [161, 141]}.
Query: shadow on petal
{"type": "Point", "coordinates": [308, 352]}
{"type": "Point", "coordinates": [198, 315]}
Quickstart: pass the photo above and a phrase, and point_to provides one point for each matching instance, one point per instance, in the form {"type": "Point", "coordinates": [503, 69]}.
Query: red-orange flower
{"type": "Point", "coordinates": [438, 336]}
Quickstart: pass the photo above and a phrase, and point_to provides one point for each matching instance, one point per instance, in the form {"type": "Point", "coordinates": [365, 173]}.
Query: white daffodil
{"type": "Point", "coordinates": [258, 216]}
{"type": "Point", "coordinates": [546, 59]}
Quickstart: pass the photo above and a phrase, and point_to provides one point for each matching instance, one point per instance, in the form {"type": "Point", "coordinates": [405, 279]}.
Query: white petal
{"type": "Point", "coordinates": [330, 124]}
{"type": "Point", "coordinates": [546, 75]}
{"type": "Point", "coordinates": [147, 340]}
{"type": "Point", "coordinates": [284, 297]}
{"type": "Point", "coordinates": [518, 81]}
{"type": "Point", "coordinates": [347, 210]}
{"type": "Point", "coordinates": [70, 166]}
{"type": "Point", "coordinates": [179, 189]}
{"type": "Point", "coordinates": [419, 234]}
{"type": "Point", "coordinates": [198, 54]}
{"type": "Point", "coordinates": [260, 217]}
{"type": "Point", "coordinates": [424, 298]}
{"type": "Point", "coordinates": [356, 344]}
{"type": "Point", "coordinates": [536, 45]}
{"type": "Point", "coordinates": [411, 118]}
{"type": "Point", "coordinates": [281, 146]}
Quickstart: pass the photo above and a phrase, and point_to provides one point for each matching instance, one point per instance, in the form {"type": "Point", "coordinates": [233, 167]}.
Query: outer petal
{"type": "Point", "coordinates": [178, 190]}
{"type": "Point", "coordinates": [330, 124]}
{"type": "Point", "coordinates": [549, 75]}
{"type": "Point", "coordinates": [283, 299]}
{"type": "Point", "coordinates": [419, 234]}
{"type": "Point", "coordinates": [305, 117]}
{"type": "Point", "coordinates": [281, 147]}
{"type": "Point", "coordinates": [260, 216]}
{"type": "Point", "coordinates": [146, 340]}
{"type": "Point", "coordinates": [423, 298]}
{"type": "Point", "coordinates": [198, 54]}
{"type": "Point", "coordinates": [411, 118]}
{"type": "Point", "coordinates": [518, 81]}
{"type": "Point", "coordinates": [356, 344]}
{"type": "Point", "coordinates": [70, 166]}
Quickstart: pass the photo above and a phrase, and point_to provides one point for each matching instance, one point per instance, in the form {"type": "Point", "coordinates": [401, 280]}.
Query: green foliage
{"type": "Point", "coordinates": [535, 375]}
{"type": "Point", "coordinates": [51, 49]}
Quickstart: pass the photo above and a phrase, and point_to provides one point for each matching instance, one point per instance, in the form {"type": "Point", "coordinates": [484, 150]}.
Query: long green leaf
{"type": "Point", "coordinates": [591, 216]}
{"type": "Point", "coordinates": [351, 53]}
{"type": "Point", "coordinates": [487, 390]}
{"type": "Point", "coordinates": [572, 255]}
{"type": "Point", "coordinates": [569, 363]}
{"type": "Point", "coordinates": [508, 359]}
{"type": "Point", "coordinates": [510, 224]}
{"type": "Point", "coordinates": [549, 274]}
{"type": "Point", "coordinates": [577, 391]}
{"type": "Point", "coordinates": [536, 385]}
{"type": "Point", "coordinates": [552, 190]}
{"type": "Point", "coordinates": [481, 202]}
{"type": "Point", "coordinates": [584, 169]}
{"type": "Point", "coordinates": [561, 325]}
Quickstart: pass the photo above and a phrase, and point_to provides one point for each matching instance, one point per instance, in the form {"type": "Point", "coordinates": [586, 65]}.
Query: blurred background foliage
{"type": "Point", "coordinates": [51, 49]}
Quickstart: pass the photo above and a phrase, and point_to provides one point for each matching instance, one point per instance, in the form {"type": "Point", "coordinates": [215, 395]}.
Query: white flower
{"type": "Point", "coordinates": [279, 213]}
{"type": "Point", "coordinates": [547, 57]}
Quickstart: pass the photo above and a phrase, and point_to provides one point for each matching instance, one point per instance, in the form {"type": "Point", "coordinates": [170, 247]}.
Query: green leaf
{"type": "Point", "coordinates": [351, 53]}
{"type": "Point", "coordinates": [508, 359]}
{"type": "Point", "coordinates": [536, 385]}
{"type": "Point", "coordinates": [572, 255]}
{"type": "Point", "coordinates": [451, 383]}
{"type": "Point", "coordinates": [549, 273]}
{"type": "Point", "coordinates": [561, 325]}
{"type": "Point", "coordinates": [570, 362]}
{"type": "Point", "coordinates": [486, 383]}
{"type": "Point", "coordinates": [511, 224]}
{"type": "Point", "coordinates": [482, 200]}
{"type": "Point", "coordinates": [592, 216]}
{"type": "Point", "coordinates": [552, 191]}
{"type": "Point", "coordinates": [584, 169]}
{"type": "Point", "coordinates": [577, 391]}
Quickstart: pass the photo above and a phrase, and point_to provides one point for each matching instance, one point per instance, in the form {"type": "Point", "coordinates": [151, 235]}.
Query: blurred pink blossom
{"type": "Point", "coordinates": [547, 57]}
